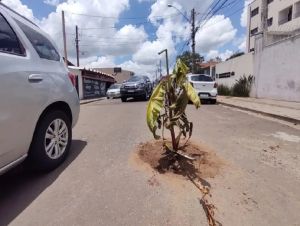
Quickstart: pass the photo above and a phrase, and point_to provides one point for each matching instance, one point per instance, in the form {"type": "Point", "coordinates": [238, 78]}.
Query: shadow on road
{"type": "Point", "coordinates": [20, 187]}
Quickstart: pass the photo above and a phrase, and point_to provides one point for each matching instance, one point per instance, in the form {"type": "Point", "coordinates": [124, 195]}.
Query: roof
{"type": "Point", "coordinates": [208, 64]}
{"type": "Point", "coordinates": [94, 71]}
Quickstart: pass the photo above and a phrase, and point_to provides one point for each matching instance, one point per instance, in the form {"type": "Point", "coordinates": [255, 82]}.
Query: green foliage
{"type": "Point", "coordinates": [242, 87]}
{"type": "Point", "coordinates": [237, 54]}
{"type": "Point", "coordinates": [186, 58]}
{"type": "Point", "coordinates": [224, 90]}
{"type": "Point", "coordinates": [167, 105]}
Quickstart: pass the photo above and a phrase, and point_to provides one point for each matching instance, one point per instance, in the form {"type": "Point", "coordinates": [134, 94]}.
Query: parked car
{"type": "Point", "coordinates": [205, 86]}
{"type": "Point", "coordinates": [136, 87]}
{"type": "Point", "coordinates": [114, 91]}
{"type": "Point", "coordinates": [39, 104]}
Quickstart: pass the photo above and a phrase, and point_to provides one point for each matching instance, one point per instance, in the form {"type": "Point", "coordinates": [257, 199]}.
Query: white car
{"type": "Point", "coordinates": [114, 91]}
{"type": "Point", "coordinates": [39, 104]}
{"type": "Point", "coordinates": [205, 86]}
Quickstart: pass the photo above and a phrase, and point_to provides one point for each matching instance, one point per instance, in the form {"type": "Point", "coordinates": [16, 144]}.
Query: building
{"type": "Point", "coordinates": [279, 18]}
{"type": "Point", "coordinates": [229, 71]}
{"type": "Point", "coordinates": [208, 68]}
{"type": "Point", "coordinates": [118, 73]}
{"type": "Point", "coordinates": [91, 83]}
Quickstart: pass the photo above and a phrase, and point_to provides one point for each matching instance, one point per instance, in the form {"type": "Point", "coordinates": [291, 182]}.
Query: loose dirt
{"type": "Point", "coordinates": [205, 165]}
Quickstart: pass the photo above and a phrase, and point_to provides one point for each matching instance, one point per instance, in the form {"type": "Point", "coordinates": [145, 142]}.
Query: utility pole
{"type": "Point", "coordinates": [64, 36]}
{"type": "Point", "coordinates": [77, 46]}
{"type": "Point", "coordinates": [160, 69]}
{"type": "Point", "coordinates": [193, 34]}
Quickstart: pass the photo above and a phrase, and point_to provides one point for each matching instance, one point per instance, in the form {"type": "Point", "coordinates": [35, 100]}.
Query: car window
{"type": "Point", "coordinates": [9, 42]}
{"type": "Point", "coordinates": [135, 79]}
{"type": "Point", "coordinates": [201, 78]}
{"type": "Point", "coordinates": [41, 44]}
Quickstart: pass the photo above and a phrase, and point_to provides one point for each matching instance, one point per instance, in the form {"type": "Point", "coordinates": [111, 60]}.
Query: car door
{"type": "Point", "coordinates": [22, 90]}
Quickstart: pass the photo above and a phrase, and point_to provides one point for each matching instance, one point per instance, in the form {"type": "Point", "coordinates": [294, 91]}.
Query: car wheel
{"type": "Point", "coordinates": [124, 99]}
{"type": "Point", "coordinates": [107, 97]}
{"type": "Point", "coordinates": [213, 101]}
{"type": "Point", "coordinates": [51, 142]}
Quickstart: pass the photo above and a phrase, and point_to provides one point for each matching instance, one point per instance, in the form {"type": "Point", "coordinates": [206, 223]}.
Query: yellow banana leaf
{"type": "Point", "coordinates": [154, 107]}
{"type": "Point", "coordinates": [180, 72]}
{"type": "Point", "coordinates": [192, 95]}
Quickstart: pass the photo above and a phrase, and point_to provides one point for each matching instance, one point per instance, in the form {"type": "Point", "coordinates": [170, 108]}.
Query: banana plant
{"type": "Point", "coordinates": [167, 105]}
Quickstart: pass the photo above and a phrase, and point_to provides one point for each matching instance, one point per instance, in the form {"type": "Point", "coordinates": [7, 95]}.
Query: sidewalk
{"type": "Point", "coordinates": [284, 110]}
{"type": "Point", "coordinates": [86, 101]}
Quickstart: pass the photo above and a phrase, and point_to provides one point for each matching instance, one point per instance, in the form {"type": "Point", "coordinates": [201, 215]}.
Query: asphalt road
{"type": "Point", "coordinates": [98, 184]}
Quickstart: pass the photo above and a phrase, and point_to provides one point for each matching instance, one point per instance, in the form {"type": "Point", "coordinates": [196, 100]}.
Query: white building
{"type": "Point", "coordinates": [282, 19]}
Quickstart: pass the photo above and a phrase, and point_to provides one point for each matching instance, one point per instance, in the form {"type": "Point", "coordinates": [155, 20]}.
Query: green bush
{"type": "Point", "coordinates": [224, 90]}
{"type": "Point", "coordinates": [242, 86]}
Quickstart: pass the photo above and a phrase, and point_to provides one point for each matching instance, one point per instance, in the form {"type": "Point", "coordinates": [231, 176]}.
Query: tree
{"type": "Point", "coordinates": [166, 107]}
{"type": "Point", "coordinates": [186, 58]}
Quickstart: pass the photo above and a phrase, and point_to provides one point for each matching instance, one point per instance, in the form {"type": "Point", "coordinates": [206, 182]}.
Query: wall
{"type": "Point", "coordinates": [277, 70]}
{"type": "Point", "coordinates": [242, 65]}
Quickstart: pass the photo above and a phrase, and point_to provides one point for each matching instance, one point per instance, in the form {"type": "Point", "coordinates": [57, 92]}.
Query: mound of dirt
{"type": "Point", "coordinates": [205, 165]}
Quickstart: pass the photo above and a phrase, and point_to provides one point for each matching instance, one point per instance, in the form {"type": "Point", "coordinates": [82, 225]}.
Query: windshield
{"type": "Point", "coordinates": [115, 86]}
{"type": "Point", "coordinates": [201, 78]}
{"type": "Point", "coordinates": [135, 79]}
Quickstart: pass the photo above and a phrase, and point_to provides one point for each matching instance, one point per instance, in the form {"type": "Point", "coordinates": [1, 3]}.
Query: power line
{"type": "Point", "coordinates": [121, 18]}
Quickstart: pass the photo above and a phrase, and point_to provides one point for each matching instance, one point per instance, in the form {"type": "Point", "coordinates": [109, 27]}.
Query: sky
{"type": "Point", "coordinates": [130, 33]}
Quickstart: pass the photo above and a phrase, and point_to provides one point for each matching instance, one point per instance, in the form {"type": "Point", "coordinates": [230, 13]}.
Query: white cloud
{"type": "Point", "coordinates": [20, 8]}
{"type": "Point", "coordinates": [215, 33]}
{"type": "Point", "coordinates": [244, 14]}
{"type": "Point", "coordinates": [215, 53]}
{"type": "Point", "coordinates": [101, 62]}
{"type": "Point", "coordinates": [52, 2]}
{"type": "Point", "coordinates": [101, 47]}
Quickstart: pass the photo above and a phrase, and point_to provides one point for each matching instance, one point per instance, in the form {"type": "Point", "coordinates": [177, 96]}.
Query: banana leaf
{"type": "Point", "coordinates": [154, 107]}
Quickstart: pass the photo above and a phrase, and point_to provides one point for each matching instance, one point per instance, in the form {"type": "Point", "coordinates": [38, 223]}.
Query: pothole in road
{"type": "Point", "coordinates": [206, 164]}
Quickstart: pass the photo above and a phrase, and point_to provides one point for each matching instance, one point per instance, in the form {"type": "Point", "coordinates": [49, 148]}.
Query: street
{"type": "Point", "coordinates": [100, 185]}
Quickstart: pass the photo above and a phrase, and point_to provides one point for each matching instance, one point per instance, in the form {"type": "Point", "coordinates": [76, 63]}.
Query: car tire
{"type": "Point", "coordinates": [51, 141]}
{"type": "Point", "coordinates": [213, 101]}
{"type": "Point", "coordinates": [124, 99]}
{"type": "Point", "coordinates": [107, 98]}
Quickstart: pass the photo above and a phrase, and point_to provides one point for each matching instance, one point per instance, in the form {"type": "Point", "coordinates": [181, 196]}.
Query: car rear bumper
{"type": "Point", "coordinates": [211, 95]}
{"type": "Point", "coordinates": [113, 95]}
{"type": "Point", "coordinates": [135, 93]}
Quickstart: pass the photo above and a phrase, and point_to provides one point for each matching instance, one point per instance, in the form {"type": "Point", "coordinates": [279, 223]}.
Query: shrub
{"type": "Point", "coordinates": [242, 86]}
{"type": "Point", "coordinates": [224, 90]}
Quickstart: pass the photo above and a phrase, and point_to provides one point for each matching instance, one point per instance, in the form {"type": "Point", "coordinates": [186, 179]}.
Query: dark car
{"type": "Point", "coordinates": [136, 87]}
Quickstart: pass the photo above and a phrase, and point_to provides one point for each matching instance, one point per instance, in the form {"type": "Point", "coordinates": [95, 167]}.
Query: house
{"type": "Point", "coordinates": [91, 83]}
{"type": "Point", "coordinates": [119, 74]}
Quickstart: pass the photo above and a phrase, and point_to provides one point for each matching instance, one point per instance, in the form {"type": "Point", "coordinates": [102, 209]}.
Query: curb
{"type": "Point", "coordinates": [281, 117]}
{"type": "Point", "coordinates": [90, 101]}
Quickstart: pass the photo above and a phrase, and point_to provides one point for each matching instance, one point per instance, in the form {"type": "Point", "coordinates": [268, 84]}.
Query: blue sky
{"type": "Point", "coordinates": [222, 37]}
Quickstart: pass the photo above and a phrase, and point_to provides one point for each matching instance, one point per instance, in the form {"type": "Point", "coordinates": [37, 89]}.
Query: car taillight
{"type": "Point", "coordinates": [72, 77]}
{"type": "Point", "coordinates": [216, 85]}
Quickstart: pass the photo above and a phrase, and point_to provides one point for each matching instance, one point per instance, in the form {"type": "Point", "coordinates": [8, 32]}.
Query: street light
{"type": "Point", "coordinates": [167, 61]}
{"type": "Point", "coordinates": [171, 6]}
{"type": "Point", "coordinates": [193, 34]}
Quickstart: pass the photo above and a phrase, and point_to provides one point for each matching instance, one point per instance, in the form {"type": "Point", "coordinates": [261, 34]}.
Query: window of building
{"type": "Point", "coordinates": [254, 31]}
{"type": "Point", "coordinates": [9, 42]}
{"type": "Point", "coordinates": [41, 44]}
{"type": "Point", "coordinates": [254, 12]}
{"type": "Point", "coordinates": [269, 1]}
{"type": "Point", "coordinates": [285, 15]}
{"type": "Point", "coordinates": [297, 10]}
{"type": "Point", "coordinates": [270, 21]}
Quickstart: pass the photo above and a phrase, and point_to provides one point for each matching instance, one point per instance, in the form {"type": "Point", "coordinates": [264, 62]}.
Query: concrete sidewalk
{"type": "Point", "coordinates": [284, 110]}
{"type": "Point", "coordinates": [86, 101]}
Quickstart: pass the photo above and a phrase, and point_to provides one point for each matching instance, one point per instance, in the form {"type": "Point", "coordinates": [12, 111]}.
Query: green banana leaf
{"type": "Point", "coordinates": [154, 107]}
